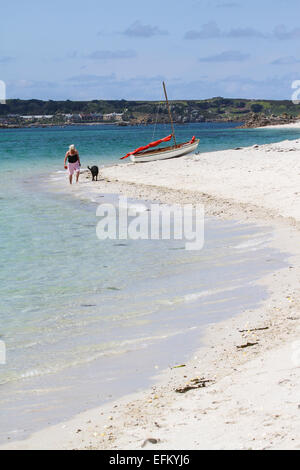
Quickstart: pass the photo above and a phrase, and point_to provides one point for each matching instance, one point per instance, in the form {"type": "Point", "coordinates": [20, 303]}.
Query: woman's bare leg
{"type": "Point", "coordinates": [77, 176]}
{"type": "Point", "coordinates": [70, 178]}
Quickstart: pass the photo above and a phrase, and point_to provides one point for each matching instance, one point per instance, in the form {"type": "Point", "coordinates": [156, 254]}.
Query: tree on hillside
{"type": "Point", "coordinates": [257, 108]}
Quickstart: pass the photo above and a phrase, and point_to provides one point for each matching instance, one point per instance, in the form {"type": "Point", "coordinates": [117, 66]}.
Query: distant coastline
{"type": "Point", "coordinates": [116, 124]}
{"type": "Point", "coordinates": [39, 125]}
{"type": "Point", "coordinates": [253, 122]}
{"type": "Point", "coordinates": [251, 113]}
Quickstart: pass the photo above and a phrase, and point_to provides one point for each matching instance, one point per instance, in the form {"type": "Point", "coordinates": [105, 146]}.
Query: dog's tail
{"type": "Point", "coordinates": [89, 168]}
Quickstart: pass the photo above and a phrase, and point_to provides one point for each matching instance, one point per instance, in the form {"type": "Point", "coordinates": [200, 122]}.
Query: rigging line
{"type": "Point", "coordinates": [160, 104]}
{"type": "Point", "coordinates": [155, 124]}
{"type": "Point", "coordinates": [170, 114]}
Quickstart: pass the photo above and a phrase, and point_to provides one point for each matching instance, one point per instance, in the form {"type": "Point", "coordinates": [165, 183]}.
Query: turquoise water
{"type": "Point", "coordinates": [42, 149]}
{"type": "Point", "coordinates": [85, 320]}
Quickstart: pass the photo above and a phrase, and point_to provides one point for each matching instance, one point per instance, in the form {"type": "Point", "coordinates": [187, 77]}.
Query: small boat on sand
{"type": "Point", "coordinates": [142, 154]}
{"type": "Point", "coordinates": [167, 152]}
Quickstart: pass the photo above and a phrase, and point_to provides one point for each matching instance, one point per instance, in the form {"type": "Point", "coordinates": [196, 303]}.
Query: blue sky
{"type": "Point", "coordinates": [115, 49]}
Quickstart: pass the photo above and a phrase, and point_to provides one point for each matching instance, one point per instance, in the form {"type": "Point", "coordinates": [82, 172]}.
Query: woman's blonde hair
{"type": "Point", "coordinates": [72, 148]}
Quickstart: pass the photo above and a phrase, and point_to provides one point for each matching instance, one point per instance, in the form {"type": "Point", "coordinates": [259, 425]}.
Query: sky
{"type": "Point", "coordinates": [117, 49]}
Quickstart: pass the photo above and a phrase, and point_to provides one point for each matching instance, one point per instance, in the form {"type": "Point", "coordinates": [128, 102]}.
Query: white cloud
{"type": "Point", "coordinates": [137, 29]}
{"type": "Point", "coordinates": [207, 31]}
{"type": "Point", "coordinates": [290, 60]}
{"type": "Point", "coordinates": [281, 32]}
{"type": "Point", "coordinates": [112, 55]}
{"type": "Point", "coordinates": [211, 30]}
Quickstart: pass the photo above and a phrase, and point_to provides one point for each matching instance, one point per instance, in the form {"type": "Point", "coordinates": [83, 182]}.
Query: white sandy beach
{"type": "Point", "coordinates": [265, 176]}
{"type": "Point", "coordinates": [293, 125]}
{"type": "Point", "coordinates": [253, 400]}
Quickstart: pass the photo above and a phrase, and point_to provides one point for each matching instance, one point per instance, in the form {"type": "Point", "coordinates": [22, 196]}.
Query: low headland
{"type": "Point", "coordinates": [252, 113]}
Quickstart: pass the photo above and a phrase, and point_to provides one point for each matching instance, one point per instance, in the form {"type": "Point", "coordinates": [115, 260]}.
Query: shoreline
{"type": "Point", "coordinates": [225, 414]}
{"type": "Point", "coordinates": [292, 125]}
{"type": "Point", "coordinates": [115, 123]}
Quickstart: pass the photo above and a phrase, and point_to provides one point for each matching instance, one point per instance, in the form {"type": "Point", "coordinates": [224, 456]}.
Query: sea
{"type": "Point", "coordinates": [84, 321]}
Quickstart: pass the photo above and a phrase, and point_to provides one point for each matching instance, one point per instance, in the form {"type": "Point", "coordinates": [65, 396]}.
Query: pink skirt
{"type": "Point", "coordinates": [73, 167]}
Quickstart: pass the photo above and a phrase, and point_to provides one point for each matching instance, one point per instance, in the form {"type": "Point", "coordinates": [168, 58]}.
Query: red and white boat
{"type": "Point", "coordinates": [142, 154]}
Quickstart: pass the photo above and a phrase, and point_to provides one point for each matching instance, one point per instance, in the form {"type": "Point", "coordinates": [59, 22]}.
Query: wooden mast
{"type": "Point", "coordinates": [173, 132]}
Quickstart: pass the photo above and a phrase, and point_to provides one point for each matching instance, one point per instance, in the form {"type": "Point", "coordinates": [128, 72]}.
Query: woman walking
{"type": "Point", "coordinates": [74, 164]}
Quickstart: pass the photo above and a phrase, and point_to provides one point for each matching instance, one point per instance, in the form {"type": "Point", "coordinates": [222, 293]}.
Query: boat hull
{"type": "Point", "coordinates": [164, 154]}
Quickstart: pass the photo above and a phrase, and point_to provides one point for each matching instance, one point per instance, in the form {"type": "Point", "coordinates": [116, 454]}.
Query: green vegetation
{"type": "Point", "coordinates": [214, 109]}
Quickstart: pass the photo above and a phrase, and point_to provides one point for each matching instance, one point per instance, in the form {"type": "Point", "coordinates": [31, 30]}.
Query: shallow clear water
{"type": "Point", "coordinates": [86, 320]}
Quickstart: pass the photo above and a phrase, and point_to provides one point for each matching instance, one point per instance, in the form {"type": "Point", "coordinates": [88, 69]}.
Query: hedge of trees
{"type": "Point", "coordinates": [216, 105]}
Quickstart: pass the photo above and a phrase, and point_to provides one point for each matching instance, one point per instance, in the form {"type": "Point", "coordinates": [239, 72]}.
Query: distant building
{"type": "Point", "coordinates": [113, 117]}
{"type": "Point", "coordinates": [44, 116]}
{"type": "Point", "coordinates": [91, 117]}
{"type": "Point", "coordinates": [76, 118]}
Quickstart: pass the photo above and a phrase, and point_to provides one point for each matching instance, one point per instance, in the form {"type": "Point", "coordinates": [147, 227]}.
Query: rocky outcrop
{"type": "Point", "coordinates": [261, 120]}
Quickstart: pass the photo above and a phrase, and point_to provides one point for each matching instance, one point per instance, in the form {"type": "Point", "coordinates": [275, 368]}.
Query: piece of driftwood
{"type": "Point", "coordinates": [247, 345]}
{"type": "Point", "coordinates": [193, 385]}
{"type": "Point", "coordinates": [254, 329]}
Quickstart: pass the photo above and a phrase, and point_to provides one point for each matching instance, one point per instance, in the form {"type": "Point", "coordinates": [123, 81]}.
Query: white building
{"type": "Point", "coordinates": [44, 116]}
{"type": "Point", "coordinates": [113, 117]}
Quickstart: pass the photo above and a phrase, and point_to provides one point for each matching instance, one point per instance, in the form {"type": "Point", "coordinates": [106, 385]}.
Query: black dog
{"type": "Point", "coordinates": [94, 170]}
